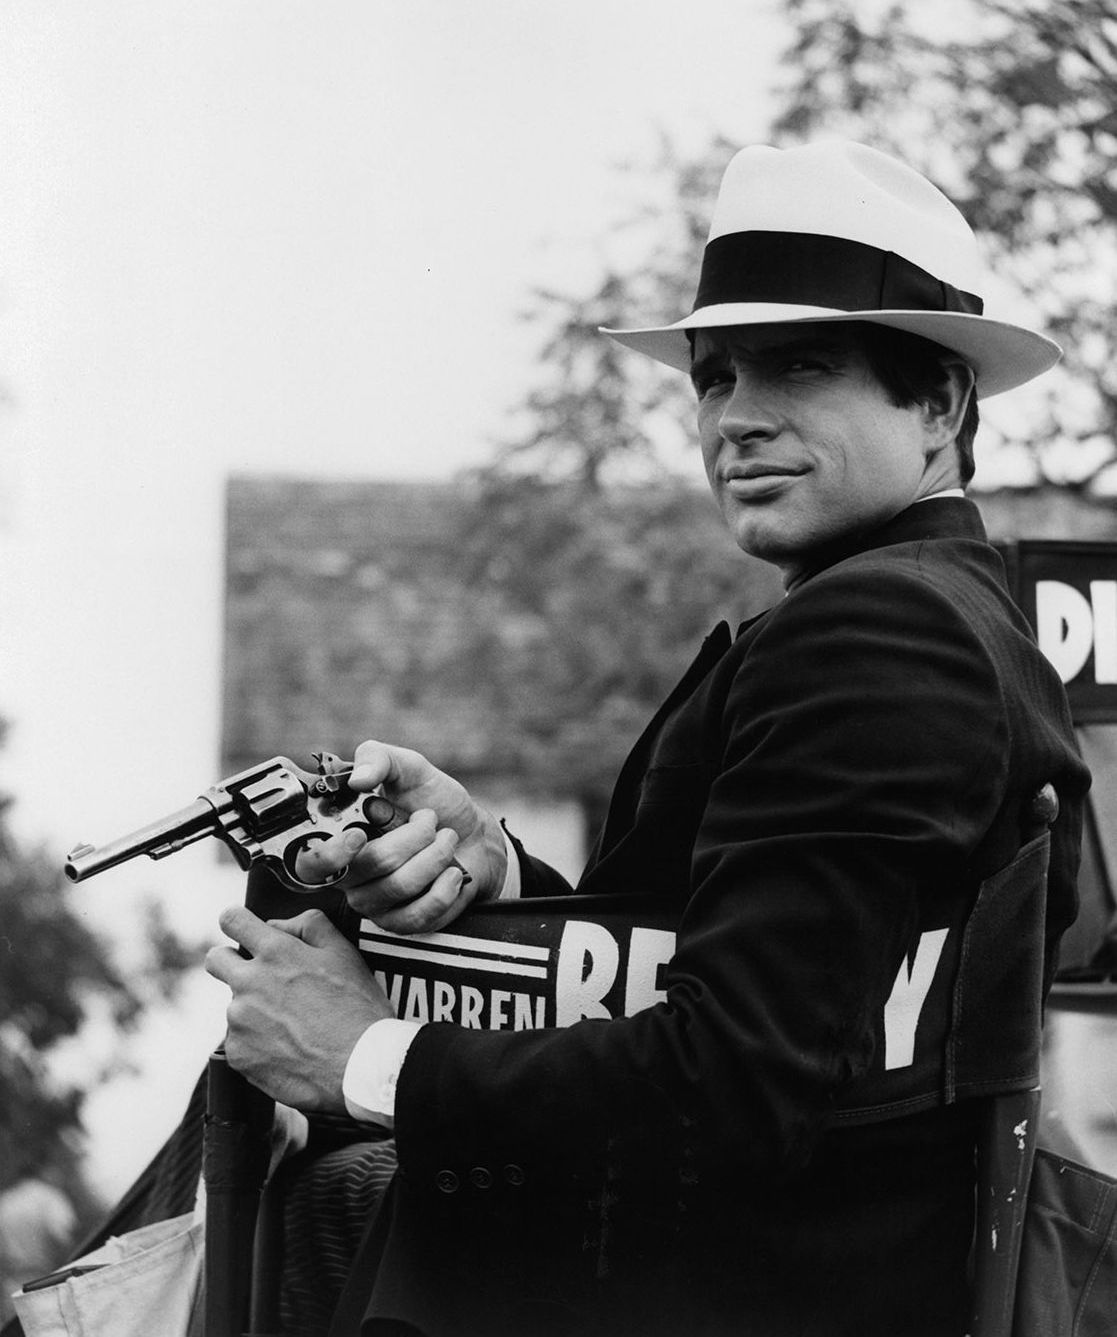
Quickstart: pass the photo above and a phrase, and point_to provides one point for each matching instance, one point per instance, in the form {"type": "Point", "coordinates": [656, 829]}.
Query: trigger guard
{"type": "Point", "coordinates": [297, 884]}
{"type": "Point", "coordinates": [292, 879]}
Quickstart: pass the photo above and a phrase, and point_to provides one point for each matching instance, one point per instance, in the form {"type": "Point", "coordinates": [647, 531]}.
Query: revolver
{"type": "Point", "coordinates": [266, 815]}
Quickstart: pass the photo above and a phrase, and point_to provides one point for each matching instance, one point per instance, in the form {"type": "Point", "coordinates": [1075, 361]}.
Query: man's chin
{"type": "Point", "coordinates": [768, 542]}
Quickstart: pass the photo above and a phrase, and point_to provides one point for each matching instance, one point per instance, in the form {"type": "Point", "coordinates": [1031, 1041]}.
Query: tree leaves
{"type": "Point", "coordinates": [54, 971]}
{"type": "Point", "coordinates": [590, 602]}
{"type": "Point", "coordinates": [1015, 118]}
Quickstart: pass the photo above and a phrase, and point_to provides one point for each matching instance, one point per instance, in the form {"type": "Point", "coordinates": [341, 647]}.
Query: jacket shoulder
{"type": "Point", "coordinates": [916, 591]}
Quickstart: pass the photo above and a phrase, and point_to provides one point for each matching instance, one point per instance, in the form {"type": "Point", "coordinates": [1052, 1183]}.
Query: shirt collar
{"type": "Point", "coordinates": [946, 492]}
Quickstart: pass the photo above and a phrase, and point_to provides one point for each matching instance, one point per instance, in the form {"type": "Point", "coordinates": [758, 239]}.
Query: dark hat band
{"type": "Point", "coordinates": [804, 269]}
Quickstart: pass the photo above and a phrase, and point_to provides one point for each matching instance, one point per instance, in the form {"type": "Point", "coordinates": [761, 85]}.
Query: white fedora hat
{"type": "Point", "coordinates": [837, 231]}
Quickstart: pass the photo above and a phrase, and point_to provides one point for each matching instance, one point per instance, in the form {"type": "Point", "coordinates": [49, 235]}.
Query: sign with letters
{"type": "Point", "coordinates": [523, 965]}
{"type": "Point", "coordinates": [535, 963]}
{"type": "Point", "coordinates": [530, 964]}
{"type": "Point", "coordinates": [1068, 592]}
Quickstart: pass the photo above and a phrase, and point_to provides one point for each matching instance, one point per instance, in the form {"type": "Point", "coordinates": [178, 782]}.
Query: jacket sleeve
{"type": "Point", "coordinates": [536, 877]}
{"type": "Point", "coordinates": [863, 756]}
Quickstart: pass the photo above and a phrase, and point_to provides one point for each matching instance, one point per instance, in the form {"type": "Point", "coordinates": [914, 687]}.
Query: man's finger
{"type": "Point", "coordinates": [226, 964]}
{"type": "Point", "coordinates": [386, 854]}
{"type": "Point", "coordinates": [385, 764]}
{"type": "Point", "coordinates": [364, 860]}
{"type": "Point", "coordinates": [443, 901]}
{"type": "Point", "coordinates": [312, 927]}
{"type": "Point", "coordinates": [374, 884]}
{"type": "Point", "coordinates": [244, 927]}
{"type": "Point", "coordinates": [324, 859]}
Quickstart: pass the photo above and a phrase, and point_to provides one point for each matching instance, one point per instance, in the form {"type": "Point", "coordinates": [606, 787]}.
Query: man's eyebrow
{"type": "Point", "coordinates": [830, 345]}
{"type": "Point", "coordinates": [809, 343]}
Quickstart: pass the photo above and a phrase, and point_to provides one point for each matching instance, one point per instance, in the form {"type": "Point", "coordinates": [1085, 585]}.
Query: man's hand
{"type": "Point", "coordinates": [299, 1005]}
{"type": "Point", "coordinates": [405, 880]}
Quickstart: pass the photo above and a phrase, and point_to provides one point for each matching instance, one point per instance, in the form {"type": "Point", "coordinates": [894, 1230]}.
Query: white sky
{"type": "Point", "coordinates": [276, 236]}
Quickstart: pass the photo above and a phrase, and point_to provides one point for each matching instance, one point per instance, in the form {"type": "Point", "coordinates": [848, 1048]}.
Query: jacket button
{"type": "Point", "coordinates": [1045, 806]}
{"type": "Point", "coordinates": [479, 1177]}
{"type": "Point", "coordinates": [447, 1181]}
{"type": "Point", "coordinates": [514, 1175]}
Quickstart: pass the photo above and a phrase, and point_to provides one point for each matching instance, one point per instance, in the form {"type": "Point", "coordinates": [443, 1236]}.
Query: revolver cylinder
{"type": "Point", "coordinates": [269, 813]}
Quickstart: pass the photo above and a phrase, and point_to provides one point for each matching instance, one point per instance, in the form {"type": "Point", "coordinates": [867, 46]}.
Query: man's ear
{"type": "Point", "coordinates": [945, 407]}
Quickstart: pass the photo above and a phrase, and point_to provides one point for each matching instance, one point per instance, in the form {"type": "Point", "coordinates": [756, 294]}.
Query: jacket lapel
{"type": "Point", "coordinates": [626, 792]}
{"type": "Point", "coordinates": [945, 517]}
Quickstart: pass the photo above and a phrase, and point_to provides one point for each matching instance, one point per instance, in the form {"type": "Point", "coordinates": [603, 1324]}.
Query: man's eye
{"type": "Point", "coordinates": [710, 382]}
{"type": "Point", "coordinates": [806, 364]}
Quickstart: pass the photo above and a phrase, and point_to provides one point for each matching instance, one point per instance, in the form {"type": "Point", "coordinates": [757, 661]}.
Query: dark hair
{"type": "Point", "coordinates": [911, 370]}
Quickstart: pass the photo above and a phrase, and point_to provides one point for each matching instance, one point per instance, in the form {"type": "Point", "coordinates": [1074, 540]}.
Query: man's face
{"type": "Point", "coordinates": [801, 442]}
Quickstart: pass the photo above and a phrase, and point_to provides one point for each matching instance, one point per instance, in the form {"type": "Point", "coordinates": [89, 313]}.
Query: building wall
{"type": "Point", "coordinates": [345, 608]}
{"type": "Point", "coordinates": [1046, 513]}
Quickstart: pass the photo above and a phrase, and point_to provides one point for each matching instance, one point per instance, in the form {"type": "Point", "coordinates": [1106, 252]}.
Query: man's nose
{"type": "Point", "coordinates": [747, 414]}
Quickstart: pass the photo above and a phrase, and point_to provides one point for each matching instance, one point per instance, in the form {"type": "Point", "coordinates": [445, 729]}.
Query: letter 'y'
{"type": "Point", "coordinates": [909, 993]}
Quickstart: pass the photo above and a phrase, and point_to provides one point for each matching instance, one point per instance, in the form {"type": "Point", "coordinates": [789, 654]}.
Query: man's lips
{"type": "Point", "coordinates": [757, 479]}
{"type": "Point", "coordinates": [759, 469]}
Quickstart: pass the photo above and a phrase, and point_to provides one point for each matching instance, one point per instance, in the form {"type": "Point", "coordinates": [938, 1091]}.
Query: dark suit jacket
{"type": "Point", "coordinates": [818, 795]}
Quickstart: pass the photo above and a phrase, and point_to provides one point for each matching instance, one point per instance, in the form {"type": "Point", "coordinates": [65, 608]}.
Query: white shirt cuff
{"type": "Point", "coordinates": [373, 1069]}
{"type": "Point", "coordinates": [375, 1063]}
{"type": "Point", "coordinates": [510, 891]}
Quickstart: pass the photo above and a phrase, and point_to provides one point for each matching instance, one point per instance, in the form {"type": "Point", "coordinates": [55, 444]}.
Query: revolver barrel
{"type": "Point", "coordinates": [156, 841]}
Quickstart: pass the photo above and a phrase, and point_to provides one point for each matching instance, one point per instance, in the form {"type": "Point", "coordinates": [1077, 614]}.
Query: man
{"type": "Point", "coordinates": [841, 802]}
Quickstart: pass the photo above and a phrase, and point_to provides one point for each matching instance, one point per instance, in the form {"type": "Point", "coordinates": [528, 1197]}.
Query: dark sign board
{"type": "Point", "coordinates": [523, 965]}
{"type": "Point", "coordinates": [1068, 592]}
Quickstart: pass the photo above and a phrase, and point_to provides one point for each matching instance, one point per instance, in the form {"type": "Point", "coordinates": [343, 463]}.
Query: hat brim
{"type": "Point", "coordinates": [1002, 356]}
